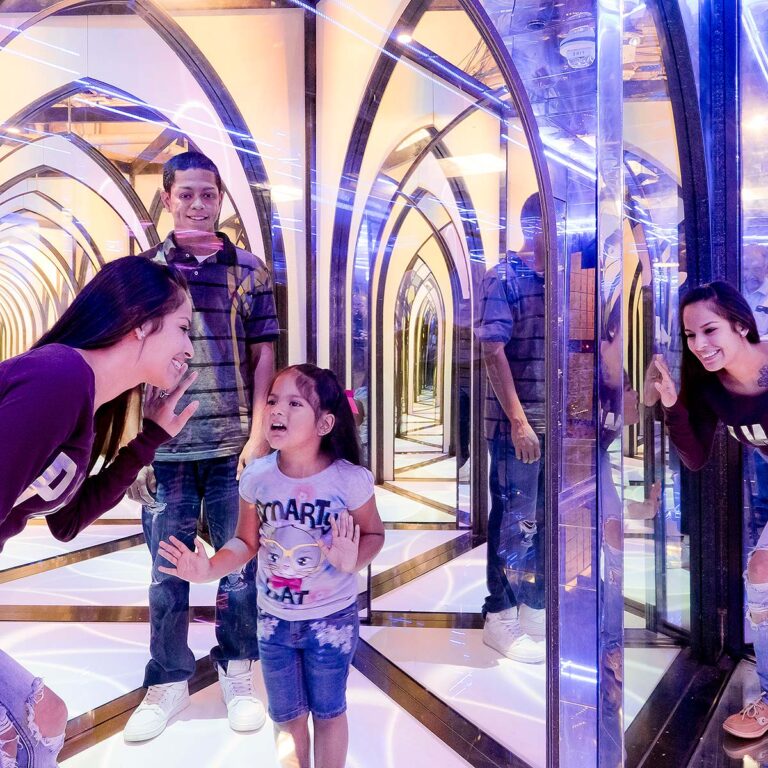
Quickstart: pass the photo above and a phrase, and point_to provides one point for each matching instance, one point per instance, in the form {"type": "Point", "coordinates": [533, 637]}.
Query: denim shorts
{"type": "Point", "coordinates": [306, 663]}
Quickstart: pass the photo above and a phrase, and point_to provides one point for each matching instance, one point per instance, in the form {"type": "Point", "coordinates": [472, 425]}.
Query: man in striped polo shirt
{"type": "Point", "coordinates": [510, 328]}
{"type": "Point", "coordinates": [234, 324]}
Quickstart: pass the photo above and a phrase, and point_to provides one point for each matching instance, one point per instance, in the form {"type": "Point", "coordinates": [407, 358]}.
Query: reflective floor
{"type": "Point", "coordinates": [718, 749]}
{"type": "Point", "coordinates": [92, 663]}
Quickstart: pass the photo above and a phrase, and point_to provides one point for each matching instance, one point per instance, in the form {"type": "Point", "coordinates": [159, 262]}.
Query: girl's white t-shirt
{"type": "Point", "coordinates": [294, 579]}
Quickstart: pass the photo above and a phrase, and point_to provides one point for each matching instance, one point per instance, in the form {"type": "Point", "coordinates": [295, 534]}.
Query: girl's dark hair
{"type": "Point", "coordinates": [320, 387]}
{"type": "Point", "coordinates": [727, 302]}
{"type": "Point", "coordinates": [124, 295]}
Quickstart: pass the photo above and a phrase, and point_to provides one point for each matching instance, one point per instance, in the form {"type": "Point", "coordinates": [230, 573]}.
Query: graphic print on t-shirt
{"type": "Point", "coordinates": [291, 554]}
{"type": "Point", "coordinates": [294, 578]}
{"type": "Point", "coordinates": [54, 482]}
{"type": "Point", "coordinates": [754, 435]}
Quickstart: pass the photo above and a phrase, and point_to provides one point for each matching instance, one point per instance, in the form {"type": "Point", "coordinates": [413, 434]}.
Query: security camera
{"type": "Point", "coordinates": [577, 47]}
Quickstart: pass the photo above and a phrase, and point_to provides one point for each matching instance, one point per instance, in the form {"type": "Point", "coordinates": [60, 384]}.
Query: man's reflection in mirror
{"type": "Point", "coordinates": [510, 328]}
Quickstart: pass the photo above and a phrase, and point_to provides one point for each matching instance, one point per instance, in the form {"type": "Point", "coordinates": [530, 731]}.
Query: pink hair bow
{"type": "Point", "coordinates": [351, 398]}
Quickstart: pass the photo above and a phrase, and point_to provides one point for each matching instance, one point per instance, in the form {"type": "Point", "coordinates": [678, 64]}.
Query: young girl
{"type": "Point", "coordinates": [724, 378]}
{"type": "Point", "coordinates": [308, 510]}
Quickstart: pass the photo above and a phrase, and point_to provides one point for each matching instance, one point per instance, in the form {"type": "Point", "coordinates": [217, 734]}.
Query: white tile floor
{"type": "Point", "coordinates": [408, 446]}
{"type": "Point", "coordinates": [639, 574]}
{"type": "Point", "coordinates": [442, 492]}
{"type": "Point", "coordinates": [382, 735]}
{"type": "Point", "coordinates": [443, 470]}
{"type": "Point", "coordinates": [35, 542]}
{"type": "Point", "coordinates": [504, 698]}
{"type": "Point", "coordinates": [90, 664]}
{"type": "Point", "coordinates": [119, 578]}
{"type": "Point", "coordinates": [395, 508]}
{"type": "Point", "coordinates": [457, 586]}
{"type": "Point", "coordinates": [400, 546]}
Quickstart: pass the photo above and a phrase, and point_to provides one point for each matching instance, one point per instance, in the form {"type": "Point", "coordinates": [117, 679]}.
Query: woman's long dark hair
{"type": "Point", "coordinates": [320, 387]}
{"type": "Point", "coordinates": [727, 302]}
{"type": "Point", "coordinates": [124, 295]}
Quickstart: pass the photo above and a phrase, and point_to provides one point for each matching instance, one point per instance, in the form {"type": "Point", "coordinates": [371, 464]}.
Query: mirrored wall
{"type": "Point", "coordinates": [456, 229]}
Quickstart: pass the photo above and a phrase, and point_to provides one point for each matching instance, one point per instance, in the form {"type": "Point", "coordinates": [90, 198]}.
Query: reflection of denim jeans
{"type": "Point", "coordinates": [182, 486]}
{"type": "Point", "coordinates": [515, 567]}
{"type": "Point", "coordinates": [757, 614]}
{"type": "Point", "coordinates": [465, 418]}
{"type": "Point", "coordinates": [758, 470]}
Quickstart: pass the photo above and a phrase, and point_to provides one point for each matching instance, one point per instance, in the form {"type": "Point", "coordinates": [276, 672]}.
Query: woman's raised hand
{"type": "Point", "coordinates": [664, 384]}
{"type": "Point", "coordinates": [160, 406]}
{"type": "Point", "coordinates": [190, 566]}
{"type": "Point", "coordinates": [345, 540]}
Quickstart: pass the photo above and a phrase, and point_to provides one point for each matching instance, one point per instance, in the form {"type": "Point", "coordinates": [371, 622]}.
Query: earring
{"type": "Point", "coordinates": [140, 334]}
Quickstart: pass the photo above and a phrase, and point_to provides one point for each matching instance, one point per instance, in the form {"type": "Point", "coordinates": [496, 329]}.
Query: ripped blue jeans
{"type": "Point", "coordinates": [306, 663]}
{"type": "Point", "coordinates": [20, 692]}
{"type": "Point", "coordinates": [515, 566]}
{"type": "Point", "coordinates": [757, 613]}
{"type": "Point", "coordinates": [182, 486]}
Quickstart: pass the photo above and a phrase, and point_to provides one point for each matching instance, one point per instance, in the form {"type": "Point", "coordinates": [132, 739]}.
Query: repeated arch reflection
{"type": "Point", "coordinates": [84, 138]}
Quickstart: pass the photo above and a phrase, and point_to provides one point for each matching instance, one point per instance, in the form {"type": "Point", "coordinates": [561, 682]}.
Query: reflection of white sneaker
{"type": "Point", "coordinates": [464, 472]}
{"type": "Point", "coordinates": [503, 633]}
{"type": "Point", "coordinates": [245, 711]}
{"type": "Point", "coordinates": [160, 704]}
{"type": "Point", "coordinates": [533, 621]}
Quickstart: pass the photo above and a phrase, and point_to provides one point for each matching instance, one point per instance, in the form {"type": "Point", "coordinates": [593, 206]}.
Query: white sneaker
{"type": "Point", "coordinates": [502, 632]}
{"type": "Point", "coordinates": [533, 621]}
{"type": "Point", "coordinates": [160, 704]}
{"type": "Point", "coordinates": [245, 711]}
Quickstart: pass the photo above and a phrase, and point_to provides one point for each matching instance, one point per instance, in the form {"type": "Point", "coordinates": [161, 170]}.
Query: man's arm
{"type": "Point", "coordinates": [262, 360]}
{"type": "Point", "coordinates": [524, 439]}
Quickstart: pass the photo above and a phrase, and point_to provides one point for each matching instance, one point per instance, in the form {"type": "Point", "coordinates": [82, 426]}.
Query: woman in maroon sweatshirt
{"type": "Point", "coordinates": [724, 378]}
{"type": "Point", "coordinates": [63, 407]}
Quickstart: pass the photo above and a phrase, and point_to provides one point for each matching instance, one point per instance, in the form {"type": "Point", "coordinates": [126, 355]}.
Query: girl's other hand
{"type": "Point", "coordinates": [664, 385]}
{"type": "Point", "coordinates": [190, 566]}
{"type": "Point", "coordinates": [345, 540]}
{"type": "Point", "coordinates": [160, 406]}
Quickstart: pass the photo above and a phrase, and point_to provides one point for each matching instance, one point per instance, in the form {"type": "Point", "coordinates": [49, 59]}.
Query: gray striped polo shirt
{"type": "Point", "coordinates": [511, 312]}
{"type": "Point", "coordinates": [234, 307]}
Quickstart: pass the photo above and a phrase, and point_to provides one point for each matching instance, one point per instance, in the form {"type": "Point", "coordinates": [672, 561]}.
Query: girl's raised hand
{"type": "Point", "coordinates": [345, 539]}
{"type": "Point", "coordinates": [160, 406]}
{"type": "Point", "coordinates": [664, 386]}
{"type": "Point", "coordinates": [190, 566]}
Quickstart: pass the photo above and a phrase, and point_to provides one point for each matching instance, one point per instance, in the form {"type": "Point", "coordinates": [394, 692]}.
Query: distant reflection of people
{"type": "Point", "coordinates": [755, 279]}
{"type": "Point", "coordinates": [510, 328]}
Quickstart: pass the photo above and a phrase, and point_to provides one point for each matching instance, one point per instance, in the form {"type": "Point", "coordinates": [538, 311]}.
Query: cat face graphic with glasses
{"type": "Point", "coordinates": [290, 553]}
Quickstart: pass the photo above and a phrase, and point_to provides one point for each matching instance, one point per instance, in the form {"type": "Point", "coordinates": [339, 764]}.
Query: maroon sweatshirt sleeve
{"type": "Point", "coordinates": [693, 441]}
{"type": "Point", "coordinates": [102, 491]}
